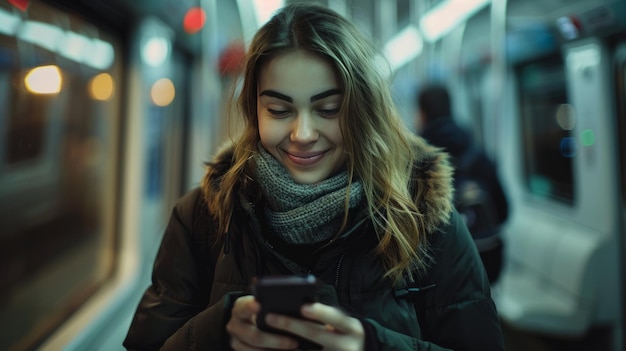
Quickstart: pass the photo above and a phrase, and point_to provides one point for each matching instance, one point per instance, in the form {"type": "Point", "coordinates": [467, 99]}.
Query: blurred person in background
{"type": "Point", "coordinates": [325, 179]}
{"type": "Point", "coordinates": [479, 195]}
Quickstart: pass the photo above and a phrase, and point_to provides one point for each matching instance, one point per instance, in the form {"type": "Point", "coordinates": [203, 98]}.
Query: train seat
{"type": "Point", "coordinates": [558, 289]}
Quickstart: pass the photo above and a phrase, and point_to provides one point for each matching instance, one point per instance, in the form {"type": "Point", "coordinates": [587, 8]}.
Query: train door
{"type": "Point", "coordinates": [563, 279]}
{"type": "Point", "coordinates": [156, 109]}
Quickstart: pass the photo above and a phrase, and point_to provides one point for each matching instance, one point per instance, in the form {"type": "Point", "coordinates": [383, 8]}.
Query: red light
{"type": "Point", "coordinates": [194, 20]}
{"type": "Point", "coordinates": [22, 5]}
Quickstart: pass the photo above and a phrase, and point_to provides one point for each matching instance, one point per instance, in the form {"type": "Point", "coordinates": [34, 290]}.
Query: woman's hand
{"type": "Point", "coordinates": [244, 334]}
{"type": "Point", "coordinates": [337, 331]}
{"type": "Point", "coordinates": [327, 326]}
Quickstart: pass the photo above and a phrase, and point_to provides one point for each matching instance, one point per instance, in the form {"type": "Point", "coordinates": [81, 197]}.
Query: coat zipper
{"type": "Point", "coordinates": [338, 271]}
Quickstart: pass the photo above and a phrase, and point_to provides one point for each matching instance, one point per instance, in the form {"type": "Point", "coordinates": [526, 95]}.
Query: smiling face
{"type": "Point", "coordinates": [298, 106]}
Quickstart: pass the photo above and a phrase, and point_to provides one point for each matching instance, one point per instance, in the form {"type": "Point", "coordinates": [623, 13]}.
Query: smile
{"type": "Point", "coordinates": [305, 159]}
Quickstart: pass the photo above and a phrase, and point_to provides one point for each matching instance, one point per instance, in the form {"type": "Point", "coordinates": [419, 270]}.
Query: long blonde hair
{"type": "Point", "coordinates": [380, 149]}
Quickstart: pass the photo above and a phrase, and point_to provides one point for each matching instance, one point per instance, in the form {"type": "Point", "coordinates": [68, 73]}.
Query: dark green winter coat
{"type": "Point", "coordinates": [448, 308]}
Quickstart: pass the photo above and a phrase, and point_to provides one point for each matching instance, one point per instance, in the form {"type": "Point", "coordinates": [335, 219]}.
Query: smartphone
{"type": "Point", "coordinates": [285, 295]}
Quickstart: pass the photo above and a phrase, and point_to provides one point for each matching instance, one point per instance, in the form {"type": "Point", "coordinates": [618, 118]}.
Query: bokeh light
{"type": "Point", "coordinates": [102, 87]}
{"type": "Point", "coordinates": [194, 20]}
{"type": "Point", "coordinates": [44, 80]}
{"type": "Point", "coordinates": [588, 137]}
{"type": "Point", "coordinates": [566, 116]}
{"type": "Point", "coordinates": [162, 92]}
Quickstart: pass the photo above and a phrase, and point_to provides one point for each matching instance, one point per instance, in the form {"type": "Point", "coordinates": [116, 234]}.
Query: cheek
{"type": "Point", "coordinates": [263, 130]}
{"type": "Point", "coordinates": [335, 134]}
{"type": "Point", "coordinates": [269, 133]}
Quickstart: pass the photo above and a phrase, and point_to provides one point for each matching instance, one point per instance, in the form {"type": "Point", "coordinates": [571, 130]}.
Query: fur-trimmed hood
{"type": "Point", "coordinates": [432, 170]}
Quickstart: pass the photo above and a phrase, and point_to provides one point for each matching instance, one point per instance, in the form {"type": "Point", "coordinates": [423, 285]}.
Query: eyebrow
{"type": "Point", "coordinates": [324, 94]}
{"type": "Point", "coordinates": [314, 98]}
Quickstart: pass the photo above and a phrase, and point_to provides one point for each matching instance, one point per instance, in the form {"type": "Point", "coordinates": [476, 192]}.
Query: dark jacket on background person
{"type": "Point", "coordinates": [444, 132]}
{"type": "Point", "coordinates": [448, 308]}
{"type": "Point", "coordinates": [471, 162]}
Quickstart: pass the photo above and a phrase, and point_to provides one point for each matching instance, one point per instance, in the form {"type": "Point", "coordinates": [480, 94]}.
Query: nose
{"type": "Point", "coordinates": [304, 130]}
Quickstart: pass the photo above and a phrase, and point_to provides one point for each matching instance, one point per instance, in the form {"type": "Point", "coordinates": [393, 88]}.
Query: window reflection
{"type": "Point", "coordinates": [58, 165]}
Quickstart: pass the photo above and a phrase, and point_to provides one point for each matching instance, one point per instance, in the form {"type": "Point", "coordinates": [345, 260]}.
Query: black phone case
{"type": "Point", "coordinates": [285, 295]}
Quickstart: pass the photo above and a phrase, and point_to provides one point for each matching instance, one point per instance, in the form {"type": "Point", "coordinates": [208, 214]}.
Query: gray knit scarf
{"type": "Point", "coordinates": [303, 213]}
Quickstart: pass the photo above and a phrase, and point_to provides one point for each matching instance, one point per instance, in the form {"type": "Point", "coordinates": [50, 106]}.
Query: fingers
{"type": "Point", "coordinates": [329, 327]}
{"type": "Point", "coordinates": [246, 307]}
{"type": "Point", "coordinates": [244, 334]}
{"type": "Point", "coordinates": [332, 316]}
{"type": "Point", "coordinates": [241, 324]}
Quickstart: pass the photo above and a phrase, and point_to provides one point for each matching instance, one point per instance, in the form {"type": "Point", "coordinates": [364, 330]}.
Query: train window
{"type": "Point", "coordinates": [547, 139]}
{"type": "Point", "coordinates": [59, 130]}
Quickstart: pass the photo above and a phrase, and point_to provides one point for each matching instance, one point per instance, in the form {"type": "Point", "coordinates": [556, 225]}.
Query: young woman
{"type": "Point", "coordinates": [325, 180]}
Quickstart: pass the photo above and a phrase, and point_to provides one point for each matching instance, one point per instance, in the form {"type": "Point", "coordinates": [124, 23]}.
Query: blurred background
{"type": "Point", "coordinates": [108, 110]}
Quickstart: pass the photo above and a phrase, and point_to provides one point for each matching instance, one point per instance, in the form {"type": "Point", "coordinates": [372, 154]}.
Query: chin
{"type": "Point", "coordinates": [304, 178]}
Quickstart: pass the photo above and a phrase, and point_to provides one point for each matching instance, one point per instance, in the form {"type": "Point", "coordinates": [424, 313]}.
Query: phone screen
{"type": "Point", "coordinates": [285, 295]}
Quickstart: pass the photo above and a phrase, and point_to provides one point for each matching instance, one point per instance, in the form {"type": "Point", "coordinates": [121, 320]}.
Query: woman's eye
{"type": "Point", "coordinates": [328, 112]}
{"type": "Point", "coordinates": [278, 113]}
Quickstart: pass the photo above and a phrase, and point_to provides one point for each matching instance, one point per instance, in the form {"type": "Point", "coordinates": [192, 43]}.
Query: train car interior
{"type": "Point", "coordinates": [109, 110]}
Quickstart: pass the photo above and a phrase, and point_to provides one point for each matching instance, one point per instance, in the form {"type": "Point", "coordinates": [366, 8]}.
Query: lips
{"type": "Point", "coordinates": [305, 158]}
